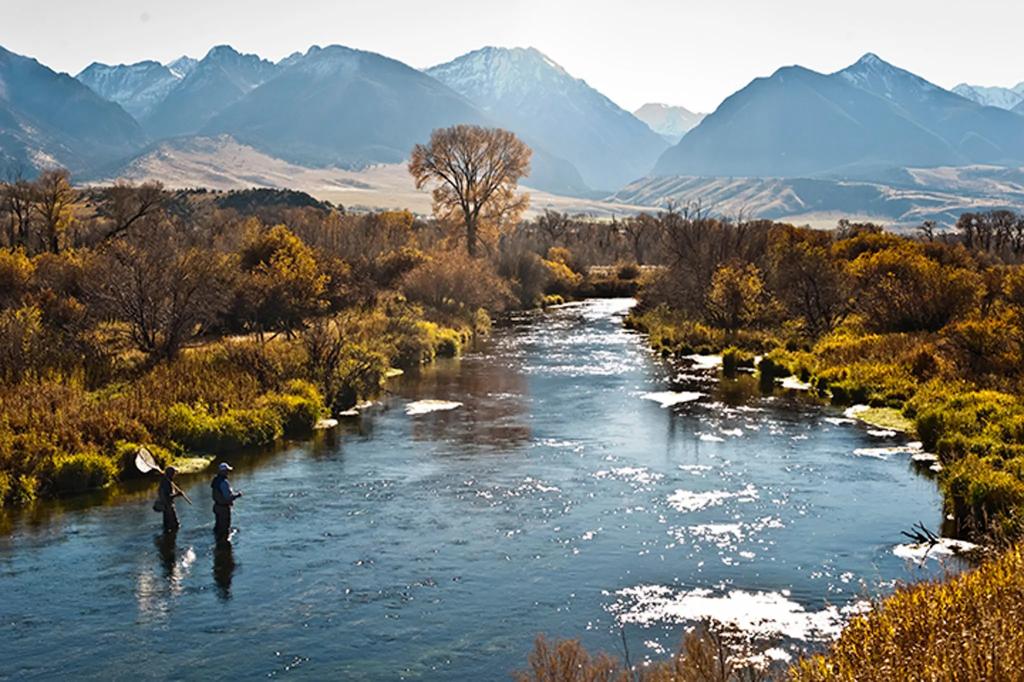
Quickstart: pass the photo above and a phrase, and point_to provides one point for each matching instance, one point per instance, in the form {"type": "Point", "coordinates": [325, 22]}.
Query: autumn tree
{"type": "Point", "coordinates": [166, 293]}
{"type": "Point", "coordinates": [125, 205]}
{"type": "Point", "coordinates": [808, 281]}
{"type": "Point", "coordinates": [282, 285]}
{"type": "Point", "coordinates": [475, 172]}
{"type": "Point", "coordinates": [16, 198]}
{"type": "Point", "coordinates": [902, 290]}
{"type": "Point", "coordinates": [736, 296]}
{"type": "Point", "coordinates": [53, 201]}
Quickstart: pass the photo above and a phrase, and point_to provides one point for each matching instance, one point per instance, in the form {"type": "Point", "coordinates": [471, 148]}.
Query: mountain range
{"type": "Point", "coordinates": [857, 122]}
{"type": "Point", "coordinates": [339, 108]}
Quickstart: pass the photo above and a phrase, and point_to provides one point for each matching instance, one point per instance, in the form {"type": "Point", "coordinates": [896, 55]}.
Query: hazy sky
{"type": "Point", "coordinates": [687, 52]}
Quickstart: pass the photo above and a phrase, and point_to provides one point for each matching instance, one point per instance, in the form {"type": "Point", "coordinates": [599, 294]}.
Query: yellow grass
{"type": "Point", "coordinates": [966, 628]}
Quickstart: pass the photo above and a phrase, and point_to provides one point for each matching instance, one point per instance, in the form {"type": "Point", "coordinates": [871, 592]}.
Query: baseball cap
{"type": "Point", "coordinates": [224, 466]}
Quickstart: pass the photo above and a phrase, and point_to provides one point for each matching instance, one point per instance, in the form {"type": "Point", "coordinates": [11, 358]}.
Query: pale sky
{"type": "Point", "coordinates": [686, 52]}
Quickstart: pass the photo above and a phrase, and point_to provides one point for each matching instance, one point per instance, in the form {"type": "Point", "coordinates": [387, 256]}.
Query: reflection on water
{"type": "Point", "coordinates": [158, 585]}
{"type": "Point", "coordinates": [223, 568]}
{"type": "Point", "coordinates": [558, 496]}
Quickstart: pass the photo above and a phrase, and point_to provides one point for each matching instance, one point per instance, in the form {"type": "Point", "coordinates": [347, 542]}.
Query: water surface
{"type": "Point", "coordinates": [561, 496]}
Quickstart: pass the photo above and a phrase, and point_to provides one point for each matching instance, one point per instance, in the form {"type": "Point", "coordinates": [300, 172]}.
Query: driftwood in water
{"type": "Point", "coordinates": [920, 534]}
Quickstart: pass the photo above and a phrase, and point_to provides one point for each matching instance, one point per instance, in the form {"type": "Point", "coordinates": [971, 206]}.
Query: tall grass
{"type": "Point", "coordinates": [965, 628]}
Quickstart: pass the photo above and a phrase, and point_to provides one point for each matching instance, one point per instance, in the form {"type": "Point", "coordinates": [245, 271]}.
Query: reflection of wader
{"type": "Point", "coordinates": [221, 510]}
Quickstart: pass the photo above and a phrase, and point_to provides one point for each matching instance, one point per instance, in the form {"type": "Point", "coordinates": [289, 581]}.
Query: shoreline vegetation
{"type": "Point", "coordinates": [199, 323]}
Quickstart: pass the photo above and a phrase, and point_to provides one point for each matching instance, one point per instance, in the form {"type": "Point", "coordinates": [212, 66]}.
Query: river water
{"type": "Point", "coordinates": [565, 495]}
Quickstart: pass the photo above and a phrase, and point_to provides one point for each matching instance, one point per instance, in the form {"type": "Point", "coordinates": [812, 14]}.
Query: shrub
{"type": "Point", "coordinates": [768, 370]}
{"type": "Point", "coordinates": [978, 496]}
{"type": "Point", "coordinates": [562, 279]}
{"type": "Point", "coordinates": [628, 271]}
{"type": "Point", "coordinates": [16, 271]}
{"type": "Point", "coordinates": [449, 343]}
{"type": "Point", "coordinates": [81, 472]}
{"type": "Point", "coordinates": [197, 430]}
{"type": "Point", "coordinates": [733, 358]}
{"type": "Point", "coordinates": [360, 374]}
{"type": "Point", "coordinates": [298, 408]}
{"type": "Point", "coordinates": [456, 285]}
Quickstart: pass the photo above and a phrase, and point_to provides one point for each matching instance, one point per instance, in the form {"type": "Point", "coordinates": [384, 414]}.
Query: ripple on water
{"type": "Point", "coordinates": [418, 407]}
{"type": "Point", "coordinates": [758, 615]}
{"type": "Point", "coordinates": [639, 475]}
{"type": "Point", "coordinates": [670, 398]}
{"type": "Point", "coordinates": [691, 501]}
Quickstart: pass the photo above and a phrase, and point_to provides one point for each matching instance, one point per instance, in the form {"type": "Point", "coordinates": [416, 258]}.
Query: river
{"type": "Point", "coordinates": [565, 495]}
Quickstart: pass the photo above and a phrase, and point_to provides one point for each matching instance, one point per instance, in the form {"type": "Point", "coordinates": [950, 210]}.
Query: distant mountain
{"type": "Point", "coordinates": [1003, 98]}
{"type": "Point", "coordinates": [526, 92]}
{"type": "Point", "coordinates": [336, 105]}
{"type": "Point", "coordinates": [858, 122]}
{"type": "Point", "coordinates": [976, 134]}
{"type": "Point", "coordinates": [218, 80]}
{"type": "Point", "coordinates": [136, 87]}
{"type": "Point", "coordinates": [349, 108]}
{"type": "Point", "coordinates": [49, 119]}
{"type": "Point", "coordinates": [1019, 109]}
{"type": "Point", "coordinates": [668, 121]}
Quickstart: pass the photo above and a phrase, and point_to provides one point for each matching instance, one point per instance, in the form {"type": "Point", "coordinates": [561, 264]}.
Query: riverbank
{"type": "Point", "coordinates": [971, 430]}
{"type": "Point", "coordinates": [62, 438]}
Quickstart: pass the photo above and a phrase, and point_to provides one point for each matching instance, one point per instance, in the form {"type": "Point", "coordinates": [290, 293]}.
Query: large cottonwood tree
{"type": "Point", "coordinates": [475, 172]}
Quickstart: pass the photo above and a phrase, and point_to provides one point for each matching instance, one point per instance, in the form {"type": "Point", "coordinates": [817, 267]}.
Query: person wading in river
{"type": "Point", "coordinates": [166, 493]}
{"type": "Point", "coordinates": [223, 499]}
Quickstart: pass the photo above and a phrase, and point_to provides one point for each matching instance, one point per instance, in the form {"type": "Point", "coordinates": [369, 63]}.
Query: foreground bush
{"type": "Point", "coordinates": [703, 656]}
{"type": "Point", "coordinates": [967, 628]}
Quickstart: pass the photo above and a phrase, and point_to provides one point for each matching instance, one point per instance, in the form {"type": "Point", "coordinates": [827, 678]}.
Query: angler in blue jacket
{"type": "Point", "coordinates": [223, 499]}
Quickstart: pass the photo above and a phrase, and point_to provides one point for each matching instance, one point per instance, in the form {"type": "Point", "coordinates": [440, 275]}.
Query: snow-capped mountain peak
{"type": "Point", "coordinates": [499, 73]}
{"type": "Point", "coordinates": [136, 87]}
{"type": "Point", "coordinates": [671, 122]}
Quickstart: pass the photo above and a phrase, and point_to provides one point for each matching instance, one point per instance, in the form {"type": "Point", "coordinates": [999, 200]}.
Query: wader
{"type": "Point", "coordinates": [221, 510]}
{"type": "Point", "coordinates": [166, 494]}
{"type": "Point", "coordinates": [222, 520]}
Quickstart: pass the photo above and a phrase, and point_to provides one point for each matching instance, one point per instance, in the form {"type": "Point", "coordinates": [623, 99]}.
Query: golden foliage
{"type": "Point", "coordinates": [475, 172]}
{"type": "Point", "coordinates": [966, 628]}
